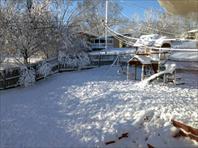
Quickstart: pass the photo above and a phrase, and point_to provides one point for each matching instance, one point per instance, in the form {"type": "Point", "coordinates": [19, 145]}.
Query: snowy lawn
{"type": "Point", "coordinates": [88, 108]}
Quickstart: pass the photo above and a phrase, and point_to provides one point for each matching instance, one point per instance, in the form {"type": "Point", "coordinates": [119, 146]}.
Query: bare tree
{"type": "Point", "coordinates": [29, 31]}
{"type": "Point", "coordinates": [94, 17]}
{"type": "Point", "coordinates": [159, 23]}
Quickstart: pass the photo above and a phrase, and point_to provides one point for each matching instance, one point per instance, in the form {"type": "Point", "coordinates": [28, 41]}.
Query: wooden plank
{"type": "Point", "coordinates": [185, 127]}
{"type": "Point", "coordinates": [124, 135]}
{"type": "Point", "coordinates": [12, 85]}
{"type": "Point", "coordinates": [183, 134]}
{"type": "Point", "coordinates": [150, 146]}
{"type": "Point", "coordinates": [110, 142]}
{"type": "Point", "coordinates": [10, 78]}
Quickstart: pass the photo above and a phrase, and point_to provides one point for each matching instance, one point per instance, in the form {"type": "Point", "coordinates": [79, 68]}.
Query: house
{"type": "Point", "coordinates": [112, 42]}
{"type": "Point", "coordinates": [192, 34]}
{"type": "Point", "coordinates": [99, 43]}
{"type": "Point", "coordinates": [90, 38]}
{"type": "Point", "coordinates": [140, 67]}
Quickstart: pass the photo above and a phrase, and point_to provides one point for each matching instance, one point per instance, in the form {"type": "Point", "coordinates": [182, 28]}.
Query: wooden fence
{"type": "Point", "coordinates": [9, 78]}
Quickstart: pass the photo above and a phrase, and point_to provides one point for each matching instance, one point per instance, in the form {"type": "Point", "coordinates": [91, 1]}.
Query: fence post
{"type": "Point", "coordinates": [99, 60]}
{"type": "Point", "coordinates": [4, 78]}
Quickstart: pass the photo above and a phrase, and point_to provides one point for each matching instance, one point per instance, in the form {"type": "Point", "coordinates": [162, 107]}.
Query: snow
{"type": "Point", "coordinates": [88, 108]}
{"type": "Point", "coordinates": [184, 60]}
{"type": "Point", "coordinates": [184, 56]}
{"type": "Point", "coordinates": [10, 62]}
{"type": "Point", "coordinates": [74, 59]}
{"type": "Point", "coordinates": [146, 40]}
{"type": "Point", "coordinates": [193, 31]}
{"type": "Point", "coordinates": [157, 41]}
{"type": "Point", "coordinates": [114, 51]}
{"type": "Point", "coordinates": [189, 77]}
{"type": "Point", "coordinates": [16, 59]}
{"type": "Point", "coordinates": [45, 69]}
{"type": "Point", "coordinates": [27, 76]}
{"type": "Point", "coordinates": [142, 59]}
{"type": "Point", "coordinates": [184, 43]}
{"type": "Point", "coordinates": [4, 66]}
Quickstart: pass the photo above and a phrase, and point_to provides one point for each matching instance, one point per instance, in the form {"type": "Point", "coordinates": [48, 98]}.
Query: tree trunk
{"type": "Point", "coordinates": [25, 60]}
{"type": "Point", "coordinates": [25, 56]}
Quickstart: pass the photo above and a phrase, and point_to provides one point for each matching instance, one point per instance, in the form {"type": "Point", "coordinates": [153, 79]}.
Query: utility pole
{"type": "Point", "coordinates": [106, 17]}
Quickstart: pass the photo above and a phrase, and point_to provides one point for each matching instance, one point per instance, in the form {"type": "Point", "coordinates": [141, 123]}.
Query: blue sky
{"type": "Point", "coordinates": [139, 6]}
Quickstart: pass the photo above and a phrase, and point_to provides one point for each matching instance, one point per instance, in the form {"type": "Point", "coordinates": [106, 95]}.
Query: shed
{"type": "Point", "coordinates": [140, 67]}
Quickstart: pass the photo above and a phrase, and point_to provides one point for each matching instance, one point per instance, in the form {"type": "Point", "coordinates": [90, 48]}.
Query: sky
{"type": "Point", "coordinates": [131, 7]}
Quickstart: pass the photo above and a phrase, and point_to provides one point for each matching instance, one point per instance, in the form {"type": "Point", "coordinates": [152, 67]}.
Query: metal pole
{"type": "Point", "coordinates": [159, 62]}
{"type": "Point", "coordinates": [106, 17]}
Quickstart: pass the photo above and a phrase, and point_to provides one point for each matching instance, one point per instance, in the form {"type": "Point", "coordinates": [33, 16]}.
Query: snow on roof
{"type": "Point", "coordinates": [159, 42]}
{"type": "Point", "coordinates": [142, 59]}
{"type": "Point", "coordinates": [146, 40]}
{"type": "Point", "coordinates": [87, 33]}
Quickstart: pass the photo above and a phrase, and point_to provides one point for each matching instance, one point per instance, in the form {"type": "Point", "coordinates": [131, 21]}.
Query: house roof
{"type": "Point", "coordinates": [113, 36]}
{"type": "Point", "coordinates": [143, 59]}
{"type": "Point", "coordinates": [193, 31]}
{"type": "Point", "coordinates": [86, 33]}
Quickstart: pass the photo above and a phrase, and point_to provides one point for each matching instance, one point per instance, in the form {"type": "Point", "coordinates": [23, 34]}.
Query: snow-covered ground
{"type": "Point", "coordinates": [88, 108]}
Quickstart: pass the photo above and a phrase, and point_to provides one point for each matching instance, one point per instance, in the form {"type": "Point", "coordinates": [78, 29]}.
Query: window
{"type": "Point", "coordinates": [110, 41]}
{"type": "Point", "coordinates": [102, 41]}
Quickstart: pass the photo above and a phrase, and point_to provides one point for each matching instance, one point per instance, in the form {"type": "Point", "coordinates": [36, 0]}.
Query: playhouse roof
{"type": "Point", "coordinates": [142, 59]}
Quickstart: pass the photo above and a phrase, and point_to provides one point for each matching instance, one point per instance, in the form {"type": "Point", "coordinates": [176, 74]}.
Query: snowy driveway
{"type": "Point", "coordinates": [88, 108]}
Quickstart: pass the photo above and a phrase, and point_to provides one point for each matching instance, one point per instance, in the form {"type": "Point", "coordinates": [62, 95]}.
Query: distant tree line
{"type": "Point", "coordinates": [157, 22]}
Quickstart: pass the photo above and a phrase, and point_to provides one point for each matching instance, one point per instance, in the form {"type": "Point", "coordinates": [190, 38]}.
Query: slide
{"type": "Point", "coordinates": [169, 70]}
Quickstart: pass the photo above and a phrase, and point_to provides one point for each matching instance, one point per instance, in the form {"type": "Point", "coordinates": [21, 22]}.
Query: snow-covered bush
{"type": "Point", "coordinates": [74, 60]}
{"type": "Point", "coordinates": [44, 69]}
{"type": "Point", "coordinates": [27, 76]}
